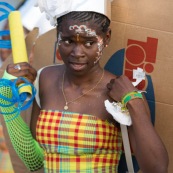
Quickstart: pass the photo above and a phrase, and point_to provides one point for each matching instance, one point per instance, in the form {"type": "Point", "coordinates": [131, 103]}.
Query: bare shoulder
{"type": "Point", "coordinates": [51, 72]}
{"type": "Point", "coordinates": [103, 85]}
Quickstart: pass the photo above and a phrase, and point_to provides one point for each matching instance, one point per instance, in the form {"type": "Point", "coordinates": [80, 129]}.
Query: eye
{"type": "Point", "coordinates": [89, 43]}
{"type": "Point", "coordinates": [67, 41]}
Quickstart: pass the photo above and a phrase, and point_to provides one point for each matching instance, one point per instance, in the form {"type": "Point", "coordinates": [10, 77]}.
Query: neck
{"type": "Point", "coordinates": [83, 80]}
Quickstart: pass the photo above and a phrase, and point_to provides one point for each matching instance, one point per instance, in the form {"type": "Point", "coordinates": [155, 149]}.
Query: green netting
{"type": "Point", "coordinates": [24, 144]}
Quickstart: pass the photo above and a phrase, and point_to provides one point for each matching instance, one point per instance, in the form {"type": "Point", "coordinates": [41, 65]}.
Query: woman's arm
{"type": "Point", "coordinates": [146, 144]}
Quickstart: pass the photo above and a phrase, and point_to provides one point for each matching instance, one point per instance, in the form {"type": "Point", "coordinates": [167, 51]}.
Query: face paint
{"type": "Point", "coordinates": [82, 29]}
{"type": "Point", "coordinates": [59, 38]}
{"type": "Point", "coordinates": [100, 46]}
{"type": "Point", "coordinates": [100, 49]}
{"type": "Point", "coordinates": [77, 35]}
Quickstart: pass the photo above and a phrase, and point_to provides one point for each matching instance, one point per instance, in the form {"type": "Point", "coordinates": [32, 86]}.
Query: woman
{"type": "Point", "coordinates": [69, 119]}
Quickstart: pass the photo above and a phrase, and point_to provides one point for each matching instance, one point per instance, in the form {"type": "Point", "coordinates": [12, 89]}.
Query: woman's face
{"type": "Point", "coordinates": [80, 45]}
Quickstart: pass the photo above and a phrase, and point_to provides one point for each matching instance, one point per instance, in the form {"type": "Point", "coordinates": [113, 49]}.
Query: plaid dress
{"type": "Point", "coordinates": [78, 143]}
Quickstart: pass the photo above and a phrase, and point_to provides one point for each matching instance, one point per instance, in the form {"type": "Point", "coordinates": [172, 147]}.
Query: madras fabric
{"type": "Point", "coordinates": [75, 142]}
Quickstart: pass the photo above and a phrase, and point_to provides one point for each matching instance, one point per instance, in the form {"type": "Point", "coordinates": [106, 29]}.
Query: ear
{"type": "Point", "coordinates": [108, 37]}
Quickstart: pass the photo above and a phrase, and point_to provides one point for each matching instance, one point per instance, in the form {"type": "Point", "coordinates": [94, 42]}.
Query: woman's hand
{"type": "Point", "coordinates": [120, 86]}
{"type": "Point", "coordinates": [22, 69]}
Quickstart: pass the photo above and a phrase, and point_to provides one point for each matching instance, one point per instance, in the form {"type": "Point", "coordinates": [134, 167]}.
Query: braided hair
{"type": "Point", "coordinates": [101, 20]}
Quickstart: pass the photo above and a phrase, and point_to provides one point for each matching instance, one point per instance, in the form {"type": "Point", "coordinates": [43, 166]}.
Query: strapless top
{"type": "Point", "coordinates": [74, 142]}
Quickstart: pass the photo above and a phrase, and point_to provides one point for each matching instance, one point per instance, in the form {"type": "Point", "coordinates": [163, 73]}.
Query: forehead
{"type": "Point", "coordinates": [73, 25]}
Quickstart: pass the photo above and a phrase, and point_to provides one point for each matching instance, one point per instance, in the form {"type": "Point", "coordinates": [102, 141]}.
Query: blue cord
{"type": "Point", "coordinates": [5, 44]}
{"type": "Point", "coordinates": [19, 101]}
{"type": "Point", "coordinates": [11, 8]}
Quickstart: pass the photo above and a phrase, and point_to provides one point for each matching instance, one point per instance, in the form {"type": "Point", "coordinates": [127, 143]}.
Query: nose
{"type": "Point", "coordinates": [78, 51]}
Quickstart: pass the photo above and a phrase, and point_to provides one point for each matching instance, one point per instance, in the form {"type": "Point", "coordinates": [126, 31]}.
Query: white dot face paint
{"type": "Point", "coordinates": [82, 29]}
{"type": "Point", "coordinates": [59, 38]}
{"type": "Point", "coordinates": [100, 47]}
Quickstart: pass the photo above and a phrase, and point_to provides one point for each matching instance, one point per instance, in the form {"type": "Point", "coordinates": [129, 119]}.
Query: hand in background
{"type": "Point", "coordinates": [22, 69]}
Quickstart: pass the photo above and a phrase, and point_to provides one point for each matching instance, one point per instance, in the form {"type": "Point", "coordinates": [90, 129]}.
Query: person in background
{"type": "Point", "coordinates": [5, 162]}
{"type": "Point", "coordinates": [31, 18]}
{"type": "Point", "coordinates": [71, 131]}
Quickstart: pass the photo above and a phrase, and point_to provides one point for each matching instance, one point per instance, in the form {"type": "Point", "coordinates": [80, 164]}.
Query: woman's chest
{"type": "Point", "coordinates": [88, 103]}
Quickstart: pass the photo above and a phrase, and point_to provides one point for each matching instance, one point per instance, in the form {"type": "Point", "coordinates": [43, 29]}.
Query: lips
{"type": "Point", "coordinates": [78, 66]}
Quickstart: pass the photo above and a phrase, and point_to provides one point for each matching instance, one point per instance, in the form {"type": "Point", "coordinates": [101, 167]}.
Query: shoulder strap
{"type": "Point", "coordinates": [36, 84]}
{"type": "Point", "coordinates": [127, 150]}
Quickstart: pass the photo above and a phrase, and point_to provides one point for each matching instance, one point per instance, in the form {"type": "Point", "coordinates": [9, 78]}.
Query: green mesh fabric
{"type": "Point", "coordinates": [24, 144]}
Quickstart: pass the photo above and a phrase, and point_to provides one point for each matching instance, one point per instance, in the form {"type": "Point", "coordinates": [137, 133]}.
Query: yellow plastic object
{"type": "Point", "coordinates": [18, 42]}
{"type": "Point", "coordinates": [17, 37]}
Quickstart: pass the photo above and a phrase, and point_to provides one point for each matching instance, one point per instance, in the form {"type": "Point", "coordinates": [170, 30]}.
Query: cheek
{"type": "Point", "coordinates": [63, 54]}
{"type": "Point", "coordinates": [92, 50]}
{"type": "Point", "coordinates": [92, 54]}
{"type": "Point", "coordinates": [64, 51]}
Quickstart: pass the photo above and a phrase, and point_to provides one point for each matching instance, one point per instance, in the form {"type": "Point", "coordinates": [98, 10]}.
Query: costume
{"type": "Point", "coordinates": [20, 135]}
{"type": "Point", "coordinates": [57, 8]}
{"type": "Point", "coordinates": [75, 142]}
{"type": "Point", "coordinates": [67, 140]}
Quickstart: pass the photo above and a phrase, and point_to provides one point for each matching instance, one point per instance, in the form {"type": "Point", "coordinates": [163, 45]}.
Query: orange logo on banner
{"type": "Point", "coordinates": [140, 54]}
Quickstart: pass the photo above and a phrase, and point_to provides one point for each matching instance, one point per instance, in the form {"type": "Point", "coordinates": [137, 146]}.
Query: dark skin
{"type": "Point", "coordinates": [79, 53]}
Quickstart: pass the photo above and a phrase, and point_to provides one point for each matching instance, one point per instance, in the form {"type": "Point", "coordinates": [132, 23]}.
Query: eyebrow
{"type": "Point", "coordinates": [84, 37]}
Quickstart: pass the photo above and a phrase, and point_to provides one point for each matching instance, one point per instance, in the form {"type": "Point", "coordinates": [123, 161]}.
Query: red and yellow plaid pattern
{"type": "Point", "coordinates": [78, 143]}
